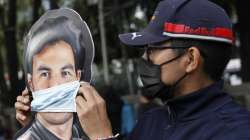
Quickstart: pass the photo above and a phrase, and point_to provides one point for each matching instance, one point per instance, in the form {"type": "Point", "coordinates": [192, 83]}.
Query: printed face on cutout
{"type": "Point", "coordinates": [52, 66]}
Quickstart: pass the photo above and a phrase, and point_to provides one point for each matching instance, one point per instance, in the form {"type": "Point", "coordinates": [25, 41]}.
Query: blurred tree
{"type": "Point", "coordinates": [53, 4]}
{"type": "Point", "coordinates": [244, 33]}
{"type": "Point", "coordinates": [242, 28]}
{"type": "Point", "coordinates": [9, 29]}
{"type": "Point", "coordinates": [36, 9]}
{"type": "Point", "coordinates": [149, 7]}
{"type": "Point", "coordinates": [3, 87]}
{"type": "Point", "coordinates": [12, 36]}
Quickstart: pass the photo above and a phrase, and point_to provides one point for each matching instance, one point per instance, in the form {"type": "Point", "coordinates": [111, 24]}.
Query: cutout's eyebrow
{"type": "Point", "coordinates": [68, 66]}
{"type": "Point", "coordinates": [43, 68]}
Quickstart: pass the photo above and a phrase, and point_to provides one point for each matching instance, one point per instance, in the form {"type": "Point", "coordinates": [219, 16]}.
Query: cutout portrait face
{"type": "Point", "coordinates": [53, 66]}
{"type": "Point", "coordinates": [58, 54]}
{"type": "Point", "coordinates": [58, 49]}
{"type": "Point", "coordinates": [61, 25]}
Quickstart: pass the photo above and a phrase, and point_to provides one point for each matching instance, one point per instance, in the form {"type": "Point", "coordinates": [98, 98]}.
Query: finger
{"type": "Point", "coordinates": [26, 100]}
{"type": "Point", "coordinates": [93, 91]}
{"type": "Point", "coordinates": [99, 101]}
{"type": "Point", "coordinates": [79, 93]}
{"type": "Point", "coordinates": [96, 95]}
{"type": "Point", "coordinates": [21, 114]}
{"type": "Point", "coordinates": [87, 94]}
{"type": "Point", "coordinates": [23, 99]}
{"type": "Point", "coordinates": [80, 104]}
{"type": "Point", "coordinates": [101, 105]}
{"type": "Point", "coordinates": [80, 110]}
{"type": "Point", "coordinates": [19, 98]}
{"type": "Point", "coordinates": [25, 92]}
{"type": "Point", "coordinates": [20, 117]}
{"type": "Point", "coordinates": [21, 107]}
{"type": "Point", "coordinates": [83, 82]}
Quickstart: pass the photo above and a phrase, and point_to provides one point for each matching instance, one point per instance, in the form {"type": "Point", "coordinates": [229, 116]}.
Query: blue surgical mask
{"type": "Point", "coordinates": [59, 98]}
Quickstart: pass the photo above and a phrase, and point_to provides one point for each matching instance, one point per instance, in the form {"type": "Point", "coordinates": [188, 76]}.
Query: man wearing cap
{"type": "Point", "coordinates": [187, 46]}
{"type": "Point", "coordinates": [58, 54]}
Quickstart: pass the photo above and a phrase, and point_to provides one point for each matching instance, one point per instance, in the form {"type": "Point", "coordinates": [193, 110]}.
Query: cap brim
{"type": "Point", "coordinates": [141, 38]}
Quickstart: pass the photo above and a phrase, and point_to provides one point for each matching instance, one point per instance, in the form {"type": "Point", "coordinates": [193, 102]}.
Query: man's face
{"type": "Point", "coordinates": [170, 72]}
{"type": "Point", "coordinates": [53, 66]}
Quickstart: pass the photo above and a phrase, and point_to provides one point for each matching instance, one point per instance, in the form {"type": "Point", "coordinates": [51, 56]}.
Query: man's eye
{"type": "Point", "coordinates": [44, 74]}
{"type": "Point", "coordinates": [66, 73]}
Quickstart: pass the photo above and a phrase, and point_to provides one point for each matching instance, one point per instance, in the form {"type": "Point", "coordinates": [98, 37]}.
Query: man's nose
{"type": "Point", "coordinates": [55, 80]}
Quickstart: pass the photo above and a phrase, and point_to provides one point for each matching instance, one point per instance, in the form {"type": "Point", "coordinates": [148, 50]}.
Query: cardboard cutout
{"type": "Point", "coordinates": [57, 25]}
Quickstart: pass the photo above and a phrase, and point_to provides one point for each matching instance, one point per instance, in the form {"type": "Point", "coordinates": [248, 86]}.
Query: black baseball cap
{"type": "Point", "coordinates": [184, 19]}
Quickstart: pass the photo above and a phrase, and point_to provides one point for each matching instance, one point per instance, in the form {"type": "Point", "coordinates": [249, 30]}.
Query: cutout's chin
{"type": "Point", "coordinates": [56, 117]}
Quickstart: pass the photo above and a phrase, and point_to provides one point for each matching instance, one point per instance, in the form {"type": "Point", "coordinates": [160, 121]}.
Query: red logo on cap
{"type": "Point", "coordinates": [184, 29]}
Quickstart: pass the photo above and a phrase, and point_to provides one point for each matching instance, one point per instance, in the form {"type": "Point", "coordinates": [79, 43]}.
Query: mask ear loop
{"type": "Point", "coordinates": [177, 82]}
{"type": "Point", "coordinates": [148, 53]}
{"type": "Point", "coordinates": [177, 57]}
{"type": "Point", "coordinates": [173, 59]}
{"type": "Point", "coordinates": [180, 79]}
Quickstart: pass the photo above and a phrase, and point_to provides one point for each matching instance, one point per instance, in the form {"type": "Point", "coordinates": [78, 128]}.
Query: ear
{"type": "Point", "coordinates": [79, 74]}
{"type": "Point", "coordinates": [194, 58]}
{"type": "Point", "coordinates": [29, 79]}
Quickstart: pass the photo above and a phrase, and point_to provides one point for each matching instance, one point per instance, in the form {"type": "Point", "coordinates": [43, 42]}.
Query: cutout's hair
{"type": "Point", "coordinates": [49, 33]}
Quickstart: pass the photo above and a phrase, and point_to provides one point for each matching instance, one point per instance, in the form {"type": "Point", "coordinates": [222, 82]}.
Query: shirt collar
{"type": "Point", "coordinates": [199, 103]}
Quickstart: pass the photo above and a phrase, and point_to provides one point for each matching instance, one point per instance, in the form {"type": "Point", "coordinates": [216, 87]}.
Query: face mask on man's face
{"type": "Point", "coordinates": [59, 98]}
{"type": "Point", "coordinates": [150, 77]}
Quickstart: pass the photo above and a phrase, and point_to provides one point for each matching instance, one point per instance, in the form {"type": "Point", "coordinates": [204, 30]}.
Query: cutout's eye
{"type": "Point", "coordinates": [66, 73]}
{"type": "Point", "coordinates": [44, 74]}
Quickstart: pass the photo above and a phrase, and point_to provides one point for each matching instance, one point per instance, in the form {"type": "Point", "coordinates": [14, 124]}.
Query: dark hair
{"type": "Point", "coordinates": [50, 32]}
{"type": "Point", "coordinates": [215, 55]}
